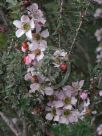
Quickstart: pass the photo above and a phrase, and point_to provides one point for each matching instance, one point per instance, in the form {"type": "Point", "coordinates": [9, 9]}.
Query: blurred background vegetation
{"type": "Point", "coordinates": [12, 84]}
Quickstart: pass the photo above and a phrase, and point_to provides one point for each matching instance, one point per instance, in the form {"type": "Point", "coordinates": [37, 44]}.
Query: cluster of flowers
{"type": "Point", "coordinates": [62, 104]}
{"type": "Point", "coordinates": [98, 33]}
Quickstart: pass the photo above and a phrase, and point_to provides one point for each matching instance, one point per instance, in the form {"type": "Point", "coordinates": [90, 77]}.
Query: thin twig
{"type": "Point", "coordinates": [60, 17]}
{"type": "Point", "coordinates": [3, 17]}
{"type": "Point", "coordinates": [78, 29]}
{"type": "Point", "coordinates": [25, 130]}
{"type": "Point", "coordinates": [9, 124]}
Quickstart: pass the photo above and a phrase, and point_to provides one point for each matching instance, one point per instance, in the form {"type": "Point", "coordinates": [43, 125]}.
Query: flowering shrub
{"type": "Point", "coordinates": [66, 104]}
{"type": "Point", "coordinates": [45, 80]}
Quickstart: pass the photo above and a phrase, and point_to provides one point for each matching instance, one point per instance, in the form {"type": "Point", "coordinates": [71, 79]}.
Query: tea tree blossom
{"type": "Point", "coordinates": [34, 46]}
{"type": "Point", "coordinates": [36, 13]}
{"type": "Point", "coordinates": [53, 114]}
{"type": "Point", "coordinates": [24, 26]}
{"type": "Point", "coordinates": [84, 95]}
{"type": "Point", "coordinates": [99, 130]}
{"type": "Point", "coordinates": [34, 87]}
{"type": "Point", "coordinates": [98, 54]}
{"type": "Point", "coordinates": [98, 13]}
{"type": "Point", "coordinates": [58, 57]}
{"type": "Point", "coordinates": [36, 55]}
{"type": "Point", "coordinates": [39, 36]}
{"type": "Point", "coordinates": [98, 34]}
{"type": "Point", "coordinates": [69, 117]}
{"type": "Point", "coordinates": [98, 1]}
{"type": "Point", "coordinates": [100, 93]}
{"type": "Point", "coordinates": [77, 86]}
{"type": "Point", "coordinates": [48, 91]}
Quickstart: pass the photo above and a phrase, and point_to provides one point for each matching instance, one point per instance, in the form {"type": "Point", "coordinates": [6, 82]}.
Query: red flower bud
{"type": "Point", "coordinates": [26, 3]}
{"type": "Point", "coordinates": [63, 67]}
{"type": "Point", "coordinates": [24, 46]}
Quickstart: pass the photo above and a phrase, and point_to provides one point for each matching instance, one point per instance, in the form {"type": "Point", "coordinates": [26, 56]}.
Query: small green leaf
{"type": "Point", "coordinates": [12, 2]}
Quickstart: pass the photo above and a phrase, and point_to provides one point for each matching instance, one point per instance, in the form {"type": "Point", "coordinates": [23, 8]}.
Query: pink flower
{"type": "Point", "coordinates": [27, 60]}
{"type": "Point", "coordinates": [83, 95]}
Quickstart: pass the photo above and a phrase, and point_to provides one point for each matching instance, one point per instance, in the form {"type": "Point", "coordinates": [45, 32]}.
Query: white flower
{"type": "Point", "coordinates": [37, 51]}
{"type": "Point", "coordinates": [34, 11]}
{"type": "Point", "coordinates": [86, 103]}
{"type": "Point", "coordinates": [39, 35]}
{"type": "Point", "coordinates": [42, 46]}
{"type": "Point", "coordinates": [25, 26]}
{"type": "Point", "coordinates": [99, 130]}
{"type": "Point", "coordinates": [65, 100]}
{"type": "Point", "coordinates": [60, 53]}
{"type": "Point", "coordinates": [53, 114]}
{"type": "Point", "coordinates": [77, 85]}
{"type": "Point", "coordinates": [98, 13]}
{"type": "Point", "coordinates": [31, 70]}
{"type": "Point", "coordinates": [98, 34]}
{"type": "Point", "coordinates": [100, 93]}
{"type": "Point", "coordinates": [48, 91]}
{"type": "Point", "coordinates": [58, 56]}
{"type": "Point", "coordinates": [69, 117]}
{"type": "Point", "coordinates": [34, 87]}
{"type": "Point", "coordinates": [28, 76]}
{"type": "Point", "coordinates": [98, 54]}
{"type": "Point", "coordinates": [36, 14]}
{"type": "Point", "coordinates": [98, 1]}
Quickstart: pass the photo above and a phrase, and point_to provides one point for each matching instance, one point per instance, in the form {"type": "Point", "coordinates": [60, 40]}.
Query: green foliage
{"type": "Point", "coordinates": [79, 129]}
{"type": "Point", "coordinates": [3, 41]}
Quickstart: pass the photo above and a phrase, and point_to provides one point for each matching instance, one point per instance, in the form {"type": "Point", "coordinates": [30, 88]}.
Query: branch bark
{"type": "Point", "coordinates": [10, 124]}
{"type": "Point", "coordinates": [3, 17]}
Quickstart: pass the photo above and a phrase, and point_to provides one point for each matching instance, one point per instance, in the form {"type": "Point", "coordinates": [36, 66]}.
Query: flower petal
{"type": "Point", "coordinates": [43, 45]}
{"type": "Point", "coordinates": [34, 6]}
{"type": "Point", "coordinates": [17, 23]}
{"type": "Point", "coordinates": [56, 118]}
{"type": "Point", "coordinates": [40, 57]}
{"type": "Point", "coordinates": [25, 19]}
{"type": "Point", "coordinates": [81, 83]}
{"type": "Point", "coordinates": [29, 34]}
{"type": "Point", "coordinates": [19, 33]}
{"type": "Point", "coordinates": [32, 25]}
{"type": "Point", "coordinates": [58, 104]}
{"type": "Point", "coordinates": [62, 120]}
{"type": "Point", "coordinates": [45, 33]}
{"type": "Point", "coordinates": [49, 116]}
{"type": "Point", "coordinates": [48, 91]}
{"type": "Point", "coordinates": [31, 56]}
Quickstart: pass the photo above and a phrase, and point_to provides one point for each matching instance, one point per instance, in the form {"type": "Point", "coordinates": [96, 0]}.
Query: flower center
{"type": "Point", "coordinates": [67, 100]}
{"type": "Point", "coordinates": [35, 79]}
{"type": "Point", "coordinates": [26, 26]}
{"type": "Point", "coordinates": [67, 112]}
{"type": "Point", "coordinates": [51, 98]}
{"type": "Point", "coordinates": [53, 111]}
{"type": "Point", "coordinates": [36, 36]}
{"type": "Point", "coordinates": [37, 52]}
